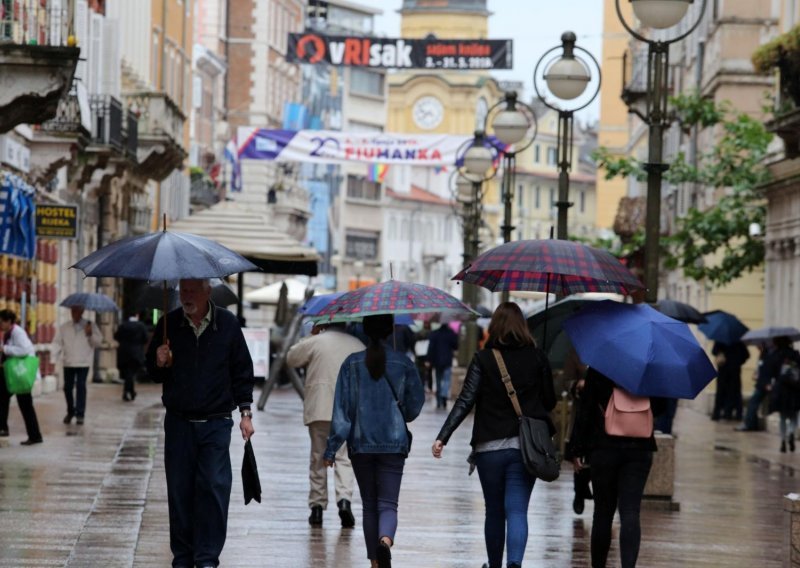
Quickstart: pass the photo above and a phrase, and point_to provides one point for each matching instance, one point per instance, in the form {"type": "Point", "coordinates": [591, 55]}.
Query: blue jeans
{"type": "Point", "coordinates": [443, 384]}
{"type": "Point", "coordinates": [197, 461]}
{"type": "Point", "coordinates": [507, 488]}
{"type": "Point", "coordinates": [378, 477]}
{"type": "Point", "coordinates": [618, 480]}
{"type": "Point", "coordinates": [75, 378]}
{"type": "Point", "coordinates": [751, 415]}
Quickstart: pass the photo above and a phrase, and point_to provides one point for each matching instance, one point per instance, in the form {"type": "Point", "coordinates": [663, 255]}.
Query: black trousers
{"type": "Point", "coordinates": [25, 402]}
{"type": "Point", "coordinates": [618, 480]}
{"type": "Point", "coordinates": [198, 466]}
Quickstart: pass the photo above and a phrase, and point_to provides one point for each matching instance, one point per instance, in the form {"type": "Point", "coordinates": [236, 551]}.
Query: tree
{"type": "Point", "coordinates": [714, 244]}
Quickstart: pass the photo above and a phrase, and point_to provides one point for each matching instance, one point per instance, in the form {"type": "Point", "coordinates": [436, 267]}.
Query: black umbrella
{"type": "Point", "coordinates": [548, 321]}
{"type": "Point", "coordinates": [94, 301]}
{"type": "Point", "coordinates": [680, 311]}
{"type": "Point", "coordinates": [152, 297]}
{"type": "Point", "coordinates": [251, 485]}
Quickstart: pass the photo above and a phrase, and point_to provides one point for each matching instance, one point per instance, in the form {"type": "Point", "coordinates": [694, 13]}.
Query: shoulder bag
{"type": "Point", "coordinates": [402, 414]}
{"type": "Point", "coordinates": [539, 454]}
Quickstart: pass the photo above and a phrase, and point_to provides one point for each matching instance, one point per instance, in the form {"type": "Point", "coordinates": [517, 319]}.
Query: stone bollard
{"type": "Point", "coordinates": [791, 506]}
{"type": "Point", "coordinates": [660, 487]}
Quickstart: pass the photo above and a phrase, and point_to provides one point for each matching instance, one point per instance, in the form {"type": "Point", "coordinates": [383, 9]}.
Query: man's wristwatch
{"type": "Point", "coordinates": [247, 413]}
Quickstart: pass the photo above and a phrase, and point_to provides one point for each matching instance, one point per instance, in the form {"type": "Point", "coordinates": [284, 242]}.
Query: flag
{"type": "Point", "coordinates": [439, 169]}
{"type": "Point", "coordinates": [377, 172]}
{"type": "Point", "coordinates": [232, 156]}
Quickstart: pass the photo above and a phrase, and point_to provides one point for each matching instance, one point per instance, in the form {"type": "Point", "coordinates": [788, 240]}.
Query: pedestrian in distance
{"type": "Point", "coordinates": [16, 343]}
{"type": "Point", "coordinates": [760, 390]}
{"type": "Point", "coordinates": [206, 372]}
{"type": "Point", "coordinates": [131, 336]}
{"type": "Point", "coordinates": [75, 342]}
{"type": "Point", "coordinates": [782, 368]}
{"type": "Point", "coordinates": [728, 399]}
{"type": "Point", "coordinates": [506, 484]}
{"type": "Point", "coordinates": [442, 343]}
{"type": "Point", "coordinates": [378, 391]}
{"type": "Point", "coordinates": [619, 469]}
{"type": "Point", "coordinates": [323, 353]}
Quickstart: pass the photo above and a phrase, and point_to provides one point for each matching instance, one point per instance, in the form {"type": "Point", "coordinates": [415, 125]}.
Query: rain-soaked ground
{"type": "Point", "coordinates": [95, 496]}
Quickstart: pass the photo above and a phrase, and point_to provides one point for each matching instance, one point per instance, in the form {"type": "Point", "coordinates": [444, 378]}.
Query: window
{"type": "Point", "coordinates": [448, 230]}
{"type": "Point", "coordinates": [537, 157]}
{"type": "Point", "coordinates": [582, 205]}
{"type": "Point", "coordinates": [552, 197]}
{"type": "Point", "coordinates": [366, 82]}
{"type": "Point", "coordinates": [392, 228]}
{"type": "Point", "coordinates": [359, 187]}
{"type": "Point", "coordinates": [520, 188]}
{"type": "Point", "coordinates": [154, 59]}
{"type": "Point", "coordinates": [362, 246]}
{"type": "Point", "coordinates": [552, 156]}
{"type": "Point", "coordinates": [537, 202]}
{"type": "Point", "coordinates": [404, 230]}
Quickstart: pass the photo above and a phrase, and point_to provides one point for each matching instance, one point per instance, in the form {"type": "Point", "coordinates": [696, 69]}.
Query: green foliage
{"type": "Point", "coordinates": [773, 53]}
{"type": "Point", "coordinates": [714, 244]}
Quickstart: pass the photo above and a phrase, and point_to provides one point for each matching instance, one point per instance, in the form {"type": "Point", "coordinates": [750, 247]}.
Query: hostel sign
{"type": "Point", "coordinates": [57, 221]}
{"type": "Point", "coordinates": [393, 53]}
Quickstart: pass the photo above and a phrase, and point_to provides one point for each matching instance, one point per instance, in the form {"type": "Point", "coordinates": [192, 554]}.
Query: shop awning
{"type": "Point", "coordinates": [248, 229]}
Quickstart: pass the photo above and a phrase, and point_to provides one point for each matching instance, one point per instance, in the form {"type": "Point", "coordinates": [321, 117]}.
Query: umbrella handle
{"type": "Point", "coordinates": [166, 307]}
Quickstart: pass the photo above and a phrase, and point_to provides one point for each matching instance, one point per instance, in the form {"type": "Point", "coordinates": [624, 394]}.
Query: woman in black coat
{"type": "Point", "coordinates": [619, 469]}
{"type": "Point", "coordinates": [785, 393]}
{"type": "Point", "coordinates": [506, 484]}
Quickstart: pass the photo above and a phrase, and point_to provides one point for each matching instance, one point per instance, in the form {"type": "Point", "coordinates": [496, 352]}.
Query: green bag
{"type": "Point", "coordinates": [20, 373]}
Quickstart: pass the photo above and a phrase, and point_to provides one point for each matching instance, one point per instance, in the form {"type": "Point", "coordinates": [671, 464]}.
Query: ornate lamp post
{"type": "Point", "coordinates": [657, 14]}
{"type": "Point", "coordinates": [513, 123]}
{"type": "Point", "coordinates": [567, 78]}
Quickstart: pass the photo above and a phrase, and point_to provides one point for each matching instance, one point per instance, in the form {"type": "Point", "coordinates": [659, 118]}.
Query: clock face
{"type": "Point", "coordinates": [428, 112]}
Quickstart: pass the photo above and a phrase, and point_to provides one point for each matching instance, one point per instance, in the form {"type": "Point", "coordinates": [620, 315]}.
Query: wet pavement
{"type": "Point", "coordinates": [95, 496]}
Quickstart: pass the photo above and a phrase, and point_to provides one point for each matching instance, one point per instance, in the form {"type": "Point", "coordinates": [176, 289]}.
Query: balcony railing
{"type": "Point", "coordinates": [107, 121]}
{"type": "Point", "coordinates": [158, 116]}
{"type": "Point", "coordinates": [28, 22]}
{"type": "Point", "coordinates": [69, 119]}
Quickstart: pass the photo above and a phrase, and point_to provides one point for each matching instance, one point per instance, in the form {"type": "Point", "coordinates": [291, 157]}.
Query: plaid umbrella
{"type": "Point", "coordinates": [392, 297]}
{"type": "Point", "coordinates": [557, 266]}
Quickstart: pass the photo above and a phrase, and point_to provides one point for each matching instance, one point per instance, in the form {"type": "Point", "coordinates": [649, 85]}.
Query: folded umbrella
{"type": "Point", "coordinates": [723, 327]}
{"type": "Point", "coordinates": [640, 349]}
{"type": "Point", "coordinates": [251, 485]}
{"type": "Point", "coordinates": [94, 301]}
{"type": "Point", "coordinates": [763, 334]}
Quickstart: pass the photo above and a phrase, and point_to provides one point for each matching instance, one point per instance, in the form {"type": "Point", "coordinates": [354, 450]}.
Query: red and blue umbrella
{"type": "Point", "coordinates": [392, 297]}
{"type": "Point", "coordinates": [549, 265]}
{"type": "Point", "coordinates": [640, 349]}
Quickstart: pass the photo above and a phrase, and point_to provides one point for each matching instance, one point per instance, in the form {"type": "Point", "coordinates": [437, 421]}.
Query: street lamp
{"type": "Point", "coordinates": [514, 125]}
{"type": "Point", "coordinates": [657, 14]}
{"type": "Point", "coordinates": [567, 78]}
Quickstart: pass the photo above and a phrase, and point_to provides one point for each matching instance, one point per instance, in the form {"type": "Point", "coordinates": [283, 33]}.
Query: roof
{"type": "Point", "coordinates": [248, 229]}
{"type": "Point", "coordinates": [419, 195]}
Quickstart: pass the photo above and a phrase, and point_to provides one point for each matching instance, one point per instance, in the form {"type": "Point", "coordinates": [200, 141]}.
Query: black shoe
{"type": "Point", "coordinates": [384, 555]}
{"type": "Point", "coordinates": [79, 420]}
{"type": "Point", "coordinates": [578, 504]}
{"type": "Point", "coordinates": [783, 446]}
{"type": "Point", "coordinates": [31, 441]}
{"type": "Point", "coordinates": [315, 519]}
{"type": "Point", "coordinates": [791, 442]}
{"type": "Point", "coordinates": [346, 514]}
{"type": "Point", "coordinates": [68, 418]}
{"type": "Point", "coordinates": [126, 396]}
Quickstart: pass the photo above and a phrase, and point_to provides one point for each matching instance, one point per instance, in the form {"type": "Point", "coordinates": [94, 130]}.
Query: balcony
{"type": "Point", "coordinates": [56, 142]}
{"type": "Point", "coordinates": [160, 134]}
{"type": "Point", "coordinates": [37, 64]}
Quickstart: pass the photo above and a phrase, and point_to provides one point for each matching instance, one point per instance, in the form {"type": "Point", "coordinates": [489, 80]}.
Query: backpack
{"type": "Point", "coordinates": [628, 415]}
{"type": "Point", "coordinates": [790, 375]}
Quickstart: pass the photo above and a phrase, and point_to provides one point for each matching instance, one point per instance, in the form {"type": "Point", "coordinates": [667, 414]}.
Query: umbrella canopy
{"type": "Point", "coordinates": [152, 297]}
{"type": "Point", "coordinates": [640, 349]}
{"type": "Point", "coordinates": [313, 306]}
{"type": "Point", "coordinates": [556, 344]}
{"type": "Point", "coordinates": [392, 297]}
{"type": "Point", "coordinates": [90, 301]}
{"type": "Point", "coordinates": [763, 334]}
{"type": "Point", "coordinates": [723, 327]}
{"type": "Point", "coordinates": [561, 267]}
{"type": "Point", "coordinates": [164, 255]}
{"type": "Point", "coordinates": [271, 294]}
{"type": "Point", "coordinates": [680, 311]}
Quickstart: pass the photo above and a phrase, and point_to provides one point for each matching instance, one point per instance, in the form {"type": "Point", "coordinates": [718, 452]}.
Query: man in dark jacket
{"type": "Point", "coordinates": [131, 335]}
{"type": "Point", "coordinates": [442, 343]}
{"type": "Point", "coordinates": [207, 372]}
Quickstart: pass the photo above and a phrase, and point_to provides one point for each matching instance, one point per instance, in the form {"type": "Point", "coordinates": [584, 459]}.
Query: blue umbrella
{"type": "Point", "coordinates": [164, 255]}
{"type": "Point", "coordinates": [640, 349]}
{"type": "Point", "coordinates": [723, 327]}
{"type": "Point", "coordinates": [90, 301]}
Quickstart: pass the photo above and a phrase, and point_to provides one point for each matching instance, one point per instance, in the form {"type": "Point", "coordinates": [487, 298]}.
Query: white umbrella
{"type": "Point", "coordinates": [270, 294]}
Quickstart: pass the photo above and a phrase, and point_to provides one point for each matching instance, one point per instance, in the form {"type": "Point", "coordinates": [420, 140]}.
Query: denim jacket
{"type": "Point", "coordinates": [365, 414]}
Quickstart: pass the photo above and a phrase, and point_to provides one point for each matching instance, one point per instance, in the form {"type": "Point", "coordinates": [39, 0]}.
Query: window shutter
{"type": "Point", "coordinates": [111, 58]}
{"type": "Point", "coordinates": [82, 35]}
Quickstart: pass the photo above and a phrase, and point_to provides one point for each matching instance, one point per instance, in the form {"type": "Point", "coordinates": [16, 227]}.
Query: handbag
{"type": "Point", "coordinates": [402, 415]}
{"type": "Point", "coordinates": [539, 454]}
{"type": "Point", "coordinates": [20, 373]}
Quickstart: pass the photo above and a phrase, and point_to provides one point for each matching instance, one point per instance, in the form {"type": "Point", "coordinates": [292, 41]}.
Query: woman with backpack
{"type": "Point", "coordinates": [377, 392]}
{"type": "Point", "coordinates": [506, 484]}
{"type": "Point", "coordinates": [620, 463]}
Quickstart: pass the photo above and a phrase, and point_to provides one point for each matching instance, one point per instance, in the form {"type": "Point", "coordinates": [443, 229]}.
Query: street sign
{"type": "Point", "coordinates": [57, 221]}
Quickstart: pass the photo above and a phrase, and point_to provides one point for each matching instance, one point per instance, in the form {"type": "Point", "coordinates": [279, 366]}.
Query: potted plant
{"type": "Point", "coordinates": [783, 53]}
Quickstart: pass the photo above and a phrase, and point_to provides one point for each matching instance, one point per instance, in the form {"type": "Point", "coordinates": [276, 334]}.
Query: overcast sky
{"type": "Point", "coordinates": [534, 25]}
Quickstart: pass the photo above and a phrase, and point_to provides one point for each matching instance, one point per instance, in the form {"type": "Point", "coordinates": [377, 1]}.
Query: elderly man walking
{"type": "Point", "coordinates": [324, 352]}
{"type": "Point", "coordinates": [207, 372]}
{"type": "Point", "coordinates": [75, 342]}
